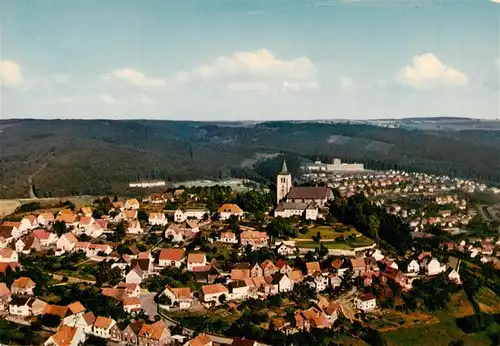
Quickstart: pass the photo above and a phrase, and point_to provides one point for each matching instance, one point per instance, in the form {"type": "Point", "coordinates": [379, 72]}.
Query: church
{"type": "Point", "coordinates": [299, 201]}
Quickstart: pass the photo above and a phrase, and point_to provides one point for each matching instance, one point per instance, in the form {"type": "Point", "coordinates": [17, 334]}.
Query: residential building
{"type": "Point", "coordinates": [171, 257]}
{"type": "Point", "coordinates": [366, 302]}
{"type": "Point", "coordinates": [46, 219]}
{"type": "Point", "coordinates": [228, 237]}
{"type": "Point", "coordinates": [134, 227]}
{"type": "Point", "coordinates": [7, 255]}
{"type": "Point", "coordinates": [132, 203]}
{"type": "Point", "coordinates": [132, 304]}
{"type": "Point", "coordinates": [22, 286]}
{"type": "Point", "coordinates": [255, 239]}
{"type": "Point", "coordinates": [196, 260]}
{"type": "Point", "coordinates": [130, 335]}
{"type": "Point", "coordinates": [227, 210]}
{"type": "Point", "coordinates": [256, 271]}
{"type": "Point", "coordinates": [104, 328]}
{"type": "Point", "coordinates": [5, 296]}
{"type": "Point", "coordinates": [66, 336]}
{"type": "Point", "coordinates": [180, 298]}
{"type": "Point", "coordinates": [183, 215]}
{"type": "Point", "coordinates": [413, 267]}
{"type": "Point", "coordinates": [45, 238]}
{"type": "Point", "coordinates": [212, 293]}
{"type": "Point", "coordinates": [157, 219]}
{"type": "Point", "coordinates": [156, 334]}
{"type": "Point", "coordinates": [200, 340]}
{"type": "Point", "coordinates": [66, 242]}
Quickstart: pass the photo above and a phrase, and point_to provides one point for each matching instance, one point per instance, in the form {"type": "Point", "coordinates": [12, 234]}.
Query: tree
{"type": "Point", "coordinates": [322, 251]}
{"type": "Point", "coordinates": [60, 228]}
{"type": "Point", "coordinates": [316, 238]}
{"type": "Point", "coordinates": [222, 298]}
{"type": "Point", "coordinates": [233, 222]}
{"type": "Point", "coordinates": [374, 225]}
{"type": "Point", "coordinates": [279, 228]}
{"type": "Point", "coordinates": [105, 274]}
{"type": "Point", "coordinates": [51, 320]}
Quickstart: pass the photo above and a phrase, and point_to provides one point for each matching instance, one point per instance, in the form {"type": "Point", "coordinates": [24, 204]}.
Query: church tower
{"type": "Point", "coordinates": [283, 183]}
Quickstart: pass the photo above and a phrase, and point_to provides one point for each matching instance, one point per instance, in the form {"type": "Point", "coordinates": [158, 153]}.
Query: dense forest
{"type": "Point", "coordinates": [76, 157]}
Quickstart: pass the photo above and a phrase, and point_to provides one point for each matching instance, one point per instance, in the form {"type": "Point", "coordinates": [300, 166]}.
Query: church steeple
{"type": "Point", "coordinates": [284, 169]}
{"type": "Point", "coordinates": [283, 183]}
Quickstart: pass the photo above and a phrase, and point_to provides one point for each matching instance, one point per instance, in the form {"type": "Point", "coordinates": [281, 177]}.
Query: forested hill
{"type": "Point", "coordinates": [97, 156]}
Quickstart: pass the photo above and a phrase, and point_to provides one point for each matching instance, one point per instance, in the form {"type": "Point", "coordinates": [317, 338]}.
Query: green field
{"type": "Point", "coordinates": [487, 300]}
{"type": "Point", "coordinates": [328, 232]}
{"type": "Point", "coordinates": [341, 245]}
{"type": "Point", "coordinates": [441, 333]}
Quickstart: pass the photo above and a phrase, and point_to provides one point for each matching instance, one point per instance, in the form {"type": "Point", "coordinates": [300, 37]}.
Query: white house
{"type": "Point", "coordinates": [434, 267]}
{"type": "Point", "coordinates": [291, 209]}
{"type": "Point", "coordinates": [196, 260]}
{"type": "Point", "coordinates": [8, 255]}
{"type": "Point", "coordinates": [67, 336]}
{"type": "Point", "coordinates": [102, 327]}
{"type": "Point", "coordinates": [212, 293]}
{"type": "Point", "coordinates": [283, 281]}
{"type": "Point", "coordinates": [135, 276]}
{"type": "Point", "coordinates": [238, 290]}
{"type": "Point", "coordinates": [413, 267]}
{"type": "Point", "coordinates": [318, 282]}
{"type": "Point", "coordinates": [286, 249]}
{"type": "Point", "coordinates": [132, 204]}
{"type": "Point", "coordinates": [21, 306]}
{"type": "Point", "coordinates": [175, 232]}
{"type": "Point", "coordinates": [81, 321]}
{"type": "Point", "coordinates": [45, 238]}
{"type": "Point", "coordinates": [227, 210]}
{"type": "Point", "coordinates": [66, 242]}
{"type": "Point", "coordinates": [171, 257]}
{"type": "Point", "coordinates": [157, 219]}
{"type": "Point", "coordinates": [179, 297]}
{"type": "Point", "coordinates": [131, 290]}
{"type": "Point", "coordinates": [228, 237]}
{"type": "Point", "coordinates": [366, 302]}
{"type": "Point", "coordinates": [183, 215]}
{"type": "Point", "coordinates": [132, 304]}
{"type": "Point", "coordinates": [28, 223]}
{"type": "Point", "coordinates": [46, 219]}
{"type": "Point", "coordinates": [134, 227]}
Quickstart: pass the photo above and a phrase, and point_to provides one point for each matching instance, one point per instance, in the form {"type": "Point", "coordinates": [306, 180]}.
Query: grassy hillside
{"type": "Point", "coordinates": [97, 156]}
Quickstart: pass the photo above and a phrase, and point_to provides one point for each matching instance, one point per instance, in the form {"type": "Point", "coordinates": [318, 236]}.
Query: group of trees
{"type": "Point", "coordinates": [372, 221]}
{"type": "Point", "coordinates": [430, 295]}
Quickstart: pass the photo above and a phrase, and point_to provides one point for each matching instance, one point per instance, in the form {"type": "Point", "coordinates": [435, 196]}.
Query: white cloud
{"type": "Point", "coordinates": [108, 99]}
{"type": "Point", "coordinates": [10, 73]}
{"type": "Point", "coordinates": [258, 87]}
{"type": "Point", "coordinates": [136, 78]}
{"type": "Point", "coordinates": [496, 1]}
{"type": "Point", "coordinates": [297, 86]}
{"type": "Point", "coordinates": [61, 78]}
{"type": "Point", "coordinates": [346, 82]}
{"type": "Point", "coordinates": [426, 72]}
{"type": "Point", "coordinates": [254, 64]}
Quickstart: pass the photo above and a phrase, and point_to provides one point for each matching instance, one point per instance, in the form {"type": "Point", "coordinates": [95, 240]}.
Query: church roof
{"type": "Point", "coordinates": [304, 192]}
{"type": "Point", "coordinates": [284, 169]}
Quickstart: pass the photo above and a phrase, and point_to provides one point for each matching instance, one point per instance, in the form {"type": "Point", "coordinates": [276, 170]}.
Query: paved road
{"type": "Point", "coordinates": [148, 304]}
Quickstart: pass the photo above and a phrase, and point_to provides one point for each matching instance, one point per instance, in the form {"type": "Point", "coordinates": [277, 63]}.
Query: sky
{"type": "Point", "coordinates": [249, 59]}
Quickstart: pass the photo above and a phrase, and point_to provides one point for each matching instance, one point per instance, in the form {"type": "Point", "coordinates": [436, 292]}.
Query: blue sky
{"type": "Point", "coordinates": [249, 60]}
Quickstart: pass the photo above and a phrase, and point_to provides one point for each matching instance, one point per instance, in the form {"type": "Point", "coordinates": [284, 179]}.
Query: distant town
{"type": "Point", "coordinates": [347, 254]}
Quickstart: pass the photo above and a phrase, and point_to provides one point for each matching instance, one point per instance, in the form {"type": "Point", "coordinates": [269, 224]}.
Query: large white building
{"type": "Point", "coordinates": [145, 184]}
{"type": "Point", "coordinates": [336, 166]}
